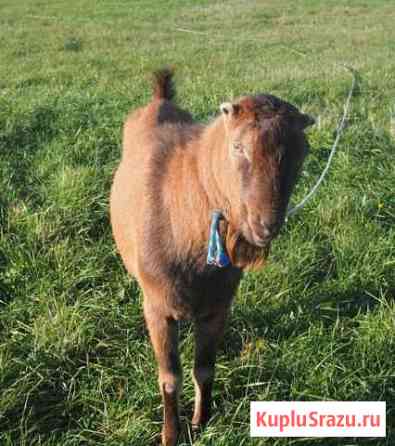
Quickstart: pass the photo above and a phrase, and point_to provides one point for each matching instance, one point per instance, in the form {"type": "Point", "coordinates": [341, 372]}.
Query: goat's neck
{"type": "Point", "coordinates": [215, 168]}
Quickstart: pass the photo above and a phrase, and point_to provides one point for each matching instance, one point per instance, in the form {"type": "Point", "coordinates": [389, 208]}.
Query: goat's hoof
{"type": "Point", "coordinates": [196, 427]}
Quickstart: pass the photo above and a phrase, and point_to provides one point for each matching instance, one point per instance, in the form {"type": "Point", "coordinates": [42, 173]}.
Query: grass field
{"type": "Point", "coordinates": [318, 323]}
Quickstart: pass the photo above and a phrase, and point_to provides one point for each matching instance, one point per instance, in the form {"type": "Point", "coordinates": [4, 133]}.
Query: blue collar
{"type": "Point", "coordinates": [216, 254]}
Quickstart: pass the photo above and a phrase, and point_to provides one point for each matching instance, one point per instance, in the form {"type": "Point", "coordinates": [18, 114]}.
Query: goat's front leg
{"type": "Point", "coordinates": [208, 334]}
{"type": "Point", "coordinates": [164, 338]}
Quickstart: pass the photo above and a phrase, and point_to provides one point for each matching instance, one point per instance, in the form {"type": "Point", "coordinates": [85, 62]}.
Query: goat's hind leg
{"type": "Point", "coordinates": [164, 338]}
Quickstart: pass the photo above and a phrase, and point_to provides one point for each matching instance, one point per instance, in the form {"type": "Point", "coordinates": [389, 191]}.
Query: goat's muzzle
{"type": "Point", "coordinates": [261, 232]}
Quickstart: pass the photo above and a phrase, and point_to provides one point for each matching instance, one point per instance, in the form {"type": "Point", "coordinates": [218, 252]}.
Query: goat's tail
{"type": "Point", "coordinates": [163, 85]}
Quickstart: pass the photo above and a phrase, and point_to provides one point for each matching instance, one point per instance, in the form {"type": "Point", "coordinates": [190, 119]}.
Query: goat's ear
{"type": "Point", "coordinates": [305, 120]}
{"type": "Point", "coordinates": [228, 109]}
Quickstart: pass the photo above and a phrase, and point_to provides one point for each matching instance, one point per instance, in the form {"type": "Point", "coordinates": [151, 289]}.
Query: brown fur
{"type": "Point", "coordinates": [172, 175]}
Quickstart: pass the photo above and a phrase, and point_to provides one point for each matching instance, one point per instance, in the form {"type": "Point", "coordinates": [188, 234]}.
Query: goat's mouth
{"type": "Point", "coordinates": [261, 242]}
{"type": "Point", "coordinates": [259, 233]}
{"type": "Point", "coordinates": [256, 236]}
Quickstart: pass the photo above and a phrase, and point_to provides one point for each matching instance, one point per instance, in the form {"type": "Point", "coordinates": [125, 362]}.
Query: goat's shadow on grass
{"type": "Point", "coordinates": [19, 145]}
{"type": "Point", "coordinates": [327, 308]}
{"type": "Point", "coordinates": [46, 409]}
{"type": "Point", "coordinates": [34, 131]}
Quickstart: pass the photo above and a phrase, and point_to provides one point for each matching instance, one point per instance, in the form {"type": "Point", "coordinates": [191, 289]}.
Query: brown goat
{"type": "Point", "coordinates": [172, 175]}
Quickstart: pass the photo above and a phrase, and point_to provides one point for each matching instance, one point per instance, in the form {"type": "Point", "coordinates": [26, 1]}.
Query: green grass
{"type": "Point", "coordinates": [318, 323]}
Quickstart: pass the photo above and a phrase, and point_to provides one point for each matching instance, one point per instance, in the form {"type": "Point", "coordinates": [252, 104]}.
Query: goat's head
{"type": "Point", "coordinates": [267, 146]}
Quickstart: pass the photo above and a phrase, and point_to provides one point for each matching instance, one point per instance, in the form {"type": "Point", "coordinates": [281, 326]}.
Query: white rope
{"type": "Point", "coordinates": [339, 131]}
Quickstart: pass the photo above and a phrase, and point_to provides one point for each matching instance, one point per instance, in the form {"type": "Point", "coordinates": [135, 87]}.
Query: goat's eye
{"type": "Point", "coordinates": [238, 149]}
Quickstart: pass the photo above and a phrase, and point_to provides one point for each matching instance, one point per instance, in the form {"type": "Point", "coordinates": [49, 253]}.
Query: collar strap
{"type": "Point", "coordinates": [216, 254]}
